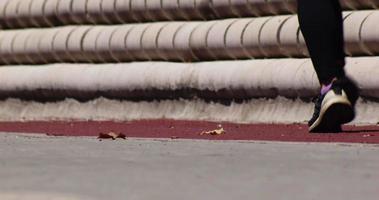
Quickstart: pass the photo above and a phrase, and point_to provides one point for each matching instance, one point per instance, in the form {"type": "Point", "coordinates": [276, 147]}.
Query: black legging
{"type": "Point", "coordinates": [322, 27]}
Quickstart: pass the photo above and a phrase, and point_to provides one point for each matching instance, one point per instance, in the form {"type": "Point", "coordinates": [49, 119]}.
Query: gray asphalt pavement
{"type": "Point", "coordinates": [41, 167]}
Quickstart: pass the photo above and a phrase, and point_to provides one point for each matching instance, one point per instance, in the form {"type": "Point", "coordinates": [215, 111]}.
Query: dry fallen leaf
{"type": "Point", "coordinates": [219, 131]}
{"type": "Point", "coordinates": [111, 135]}
{"type": "Point", "coordinates": [368, 135]}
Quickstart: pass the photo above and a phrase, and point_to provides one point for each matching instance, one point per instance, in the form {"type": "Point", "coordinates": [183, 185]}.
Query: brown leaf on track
{"type": "Point", "coordinates": [219, 131]}
{"type": "Point", "coordinates": [112, 135]}
{"type": "Point", "coordinates": [368, 135]}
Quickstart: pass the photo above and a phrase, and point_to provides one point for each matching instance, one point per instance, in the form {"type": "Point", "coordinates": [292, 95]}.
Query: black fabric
{"type": "Point", "coordinates": [322, 27]}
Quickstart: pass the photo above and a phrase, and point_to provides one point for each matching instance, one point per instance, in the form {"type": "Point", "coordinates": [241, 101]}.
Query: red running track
{"type": "Point", "coordinates": [192, 129]}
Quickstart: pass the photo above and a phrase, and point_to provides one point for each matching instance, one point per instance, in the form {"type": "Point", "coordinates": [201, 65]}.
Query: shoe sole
{"type": "Point", "coordinates": [335, 113]}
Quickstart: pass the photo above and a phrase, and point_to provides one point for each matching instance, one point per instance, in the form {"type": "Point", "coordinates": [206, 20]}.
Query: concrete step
{"type": "Point", "coordinates": [220, 80]}
{"type": "Point", "coordinates": [236, 38]}
{"type": "Point", "coordinates": [44, 13]}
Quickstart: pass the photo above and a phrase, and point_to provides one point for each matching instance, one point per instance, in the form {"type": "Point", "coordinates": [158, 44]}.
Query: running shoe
{"type": "Point", "coordinates": [335, 107]}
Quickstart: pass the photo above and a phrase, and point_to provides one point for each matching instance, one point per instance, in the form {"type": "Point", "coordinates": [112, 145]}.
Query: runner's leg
{"type": "Point", "coordinates": [322, 27]}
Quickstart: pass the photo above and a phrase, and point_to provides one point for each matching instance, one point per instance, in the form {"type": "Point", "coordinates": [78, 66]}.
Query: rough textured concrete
{"type": "Point", "coordinates": [278, 110]}
{"type": "Point", "coordinates": [86, 168]}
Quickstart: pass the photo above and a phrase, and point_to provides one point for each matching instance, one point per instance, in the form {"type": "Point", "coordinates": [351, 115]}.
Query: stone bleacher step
{"type": "Point", "coordinates": [227, 39]}
{"type": "Point", "coordinates": [47, 13]}
{"type": "Point", "coordinates": [220, 80]}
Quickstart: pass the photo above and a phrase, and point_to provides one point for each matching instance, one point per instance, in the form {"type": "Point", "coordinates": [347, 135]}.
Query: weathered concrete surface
{"type": "Point", "coordinates": [39, 167]}
{"type": "Point", "coordinates": [262, 110]}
